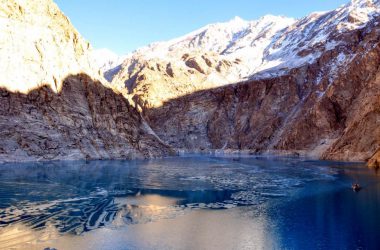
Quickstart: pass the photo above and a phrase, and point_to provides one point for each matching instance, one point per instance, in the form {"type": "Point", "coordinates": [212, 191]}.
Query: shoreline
{"type": "Point", "coordinates": [300, 154]}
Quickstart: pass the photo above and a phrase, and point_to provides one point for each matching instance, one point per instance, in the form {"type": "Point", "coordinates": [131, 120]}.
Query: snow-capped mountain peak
{"type": "Point", "coordinates": [237, 22]}
{"type": "Point", "coordinates": [363, 3]}
{"type": "Point", "coordinates": [106, 59]}
{"type": "Point", "coordinates": [359, 12]}
{"type": "Point", "coordinates": [236, 35]}
{"type": "Point", "coordinates": [309, 37]}
{"type": "Point", "coordinates": [268, 46]}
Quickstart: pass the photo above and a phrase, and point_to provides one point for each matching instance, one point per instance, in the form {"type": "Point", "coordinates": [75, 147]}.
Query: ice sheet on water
{"type": "Point", "coordinates": [79, 197]}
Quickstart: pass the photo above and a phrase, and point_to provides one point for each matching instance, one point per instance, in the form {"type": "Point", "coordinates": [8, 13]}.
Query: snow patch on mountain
{"type": "Point", "coordinates": [305, 40]}
{"type": "Point", "coordinates": [106, 59]}
{"type": "Point", "coordinates": [267, 47]}
{"type": "Point", "coordinates": [235, 39]}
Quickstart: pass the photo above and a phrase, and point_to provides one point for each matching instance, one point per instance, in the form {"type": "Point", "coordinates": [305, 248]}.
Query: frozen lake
{"type": "Point", "coordinates": [189, 202]}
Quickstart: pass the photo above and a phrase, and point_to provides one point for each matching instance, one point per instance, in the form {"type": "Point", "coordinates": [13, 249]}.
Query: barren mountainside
{"type": "Point", "coordinates": [53, 102]}
{"type": "Point", "coordinates": [308, 86]}
{"type": "Point", "coordinates": [276, 85]}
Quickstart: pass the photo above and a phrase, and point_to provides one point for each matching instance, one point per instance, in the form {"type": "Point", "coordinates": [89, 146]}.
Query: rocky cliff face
{"type": "Point", "coordinates": [154, 81]}
{"type": "Point", "coordinates": [85, 120]}
{"type": "Point", "coordinates": [314, 89]}
{"type": "Point", "coordinates": [302, 112]}
{"type": "Point", "coordinates": [52, 105]}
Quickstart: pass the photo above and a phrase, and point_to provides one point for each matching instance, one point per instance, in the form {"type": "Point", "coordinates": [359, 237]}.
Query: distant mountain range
{"type": "Point", "coordinates": [306, 74]}
{"type": "Point", "coordinates": [276, 85]}
{"type": "Point", "coordinates": [266, 47]}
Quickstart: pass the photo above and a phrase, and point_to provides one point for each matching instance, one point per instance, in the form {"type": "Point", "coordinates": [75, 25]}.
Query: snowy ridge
{"type": "Point", "coordinates": [236, 39]}
{"type": "Point", "coordinates": [106, 59]}
{"type": "Point", "coordinates": [304, 41]}
{"type": "Point", "coordinates": [222, 38]}
{"type": "Point", "coordinates": [267, 47]}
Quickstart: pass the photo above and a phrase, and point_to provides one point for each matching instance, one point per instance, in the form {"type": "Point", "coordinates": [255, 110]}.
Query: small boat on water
{"type": "Point", "coordinates": [356, 187]}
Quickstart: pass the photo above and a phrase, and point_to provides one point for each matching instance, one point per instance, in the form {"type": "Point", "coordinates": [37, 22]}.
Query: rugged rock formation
{"type": "Point", "coordinates": [316, 91]}
{"type": "Point", "coordinates": [334, 120]}
{"type": "Point", "coordinates": [85, 120]}
{"type": "Point", "coordinates": [51, 105]}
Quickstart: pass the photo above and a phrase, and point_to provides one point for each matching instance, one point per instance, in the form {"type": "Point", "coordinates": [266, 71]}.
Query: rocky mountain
{"type": "Point", "coordinates": [210, 57]}
{"type": "Point", "coordinates": [53, 102]}
{"type": "Point", "coordinates": [308, 86]}
{"type": "Point", "coordinates": [275, 85]}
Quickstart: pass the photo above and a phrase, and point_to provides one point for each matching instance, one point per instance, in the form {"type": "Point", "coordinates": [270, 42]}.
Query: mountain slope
{"type": "Point", "coordinates": [315, 90]}
{"type": "Point", "coordinates": [213, 56]}
{"type": "Point", "coordinates": [239, 50]}
{"type": "Point", "coordinates": [53, 103]}
{"type": "Point", "coordinates": [335, 119]}
{"type": "Point", "coordinates": [39, 46]}
{"type": "Point", "coordinates": [304, 41]}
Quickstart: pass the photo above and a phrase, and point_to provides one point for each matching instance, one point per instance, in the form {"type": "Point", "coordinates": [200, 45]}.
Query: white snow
{"type": "Point", "coordinates": [271, 45]}
{"type": "Point", "coordinates": [106, 59]}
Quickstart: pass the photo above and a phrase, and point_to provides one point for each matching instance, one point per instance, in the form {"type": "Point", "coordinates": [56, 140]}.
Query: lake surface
{"type": "Point", "coordinates": [190, 202]}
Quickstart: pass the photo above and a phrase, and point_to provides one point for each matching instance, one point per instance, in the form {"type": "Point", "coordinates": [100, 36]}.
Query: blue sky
{"type": "Point", "coordinates": [125, 25]}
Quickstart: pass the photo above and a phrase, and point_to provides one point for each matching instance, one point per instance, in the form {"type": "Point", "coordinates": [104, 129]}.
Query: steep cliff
{"type": "Point", "coordinates": [53, 105]}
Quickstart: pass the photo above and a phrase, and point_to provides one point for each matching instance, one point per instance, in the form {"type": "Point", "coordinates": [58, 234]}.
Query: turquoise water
{"type": "Point", "coordinates": [190, 202]}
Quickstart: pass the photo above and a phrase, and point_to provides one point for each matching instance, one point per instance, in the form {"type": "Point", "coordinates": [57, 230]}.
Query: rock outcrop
{"type": "Point", "coordinates": [53, 101]}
